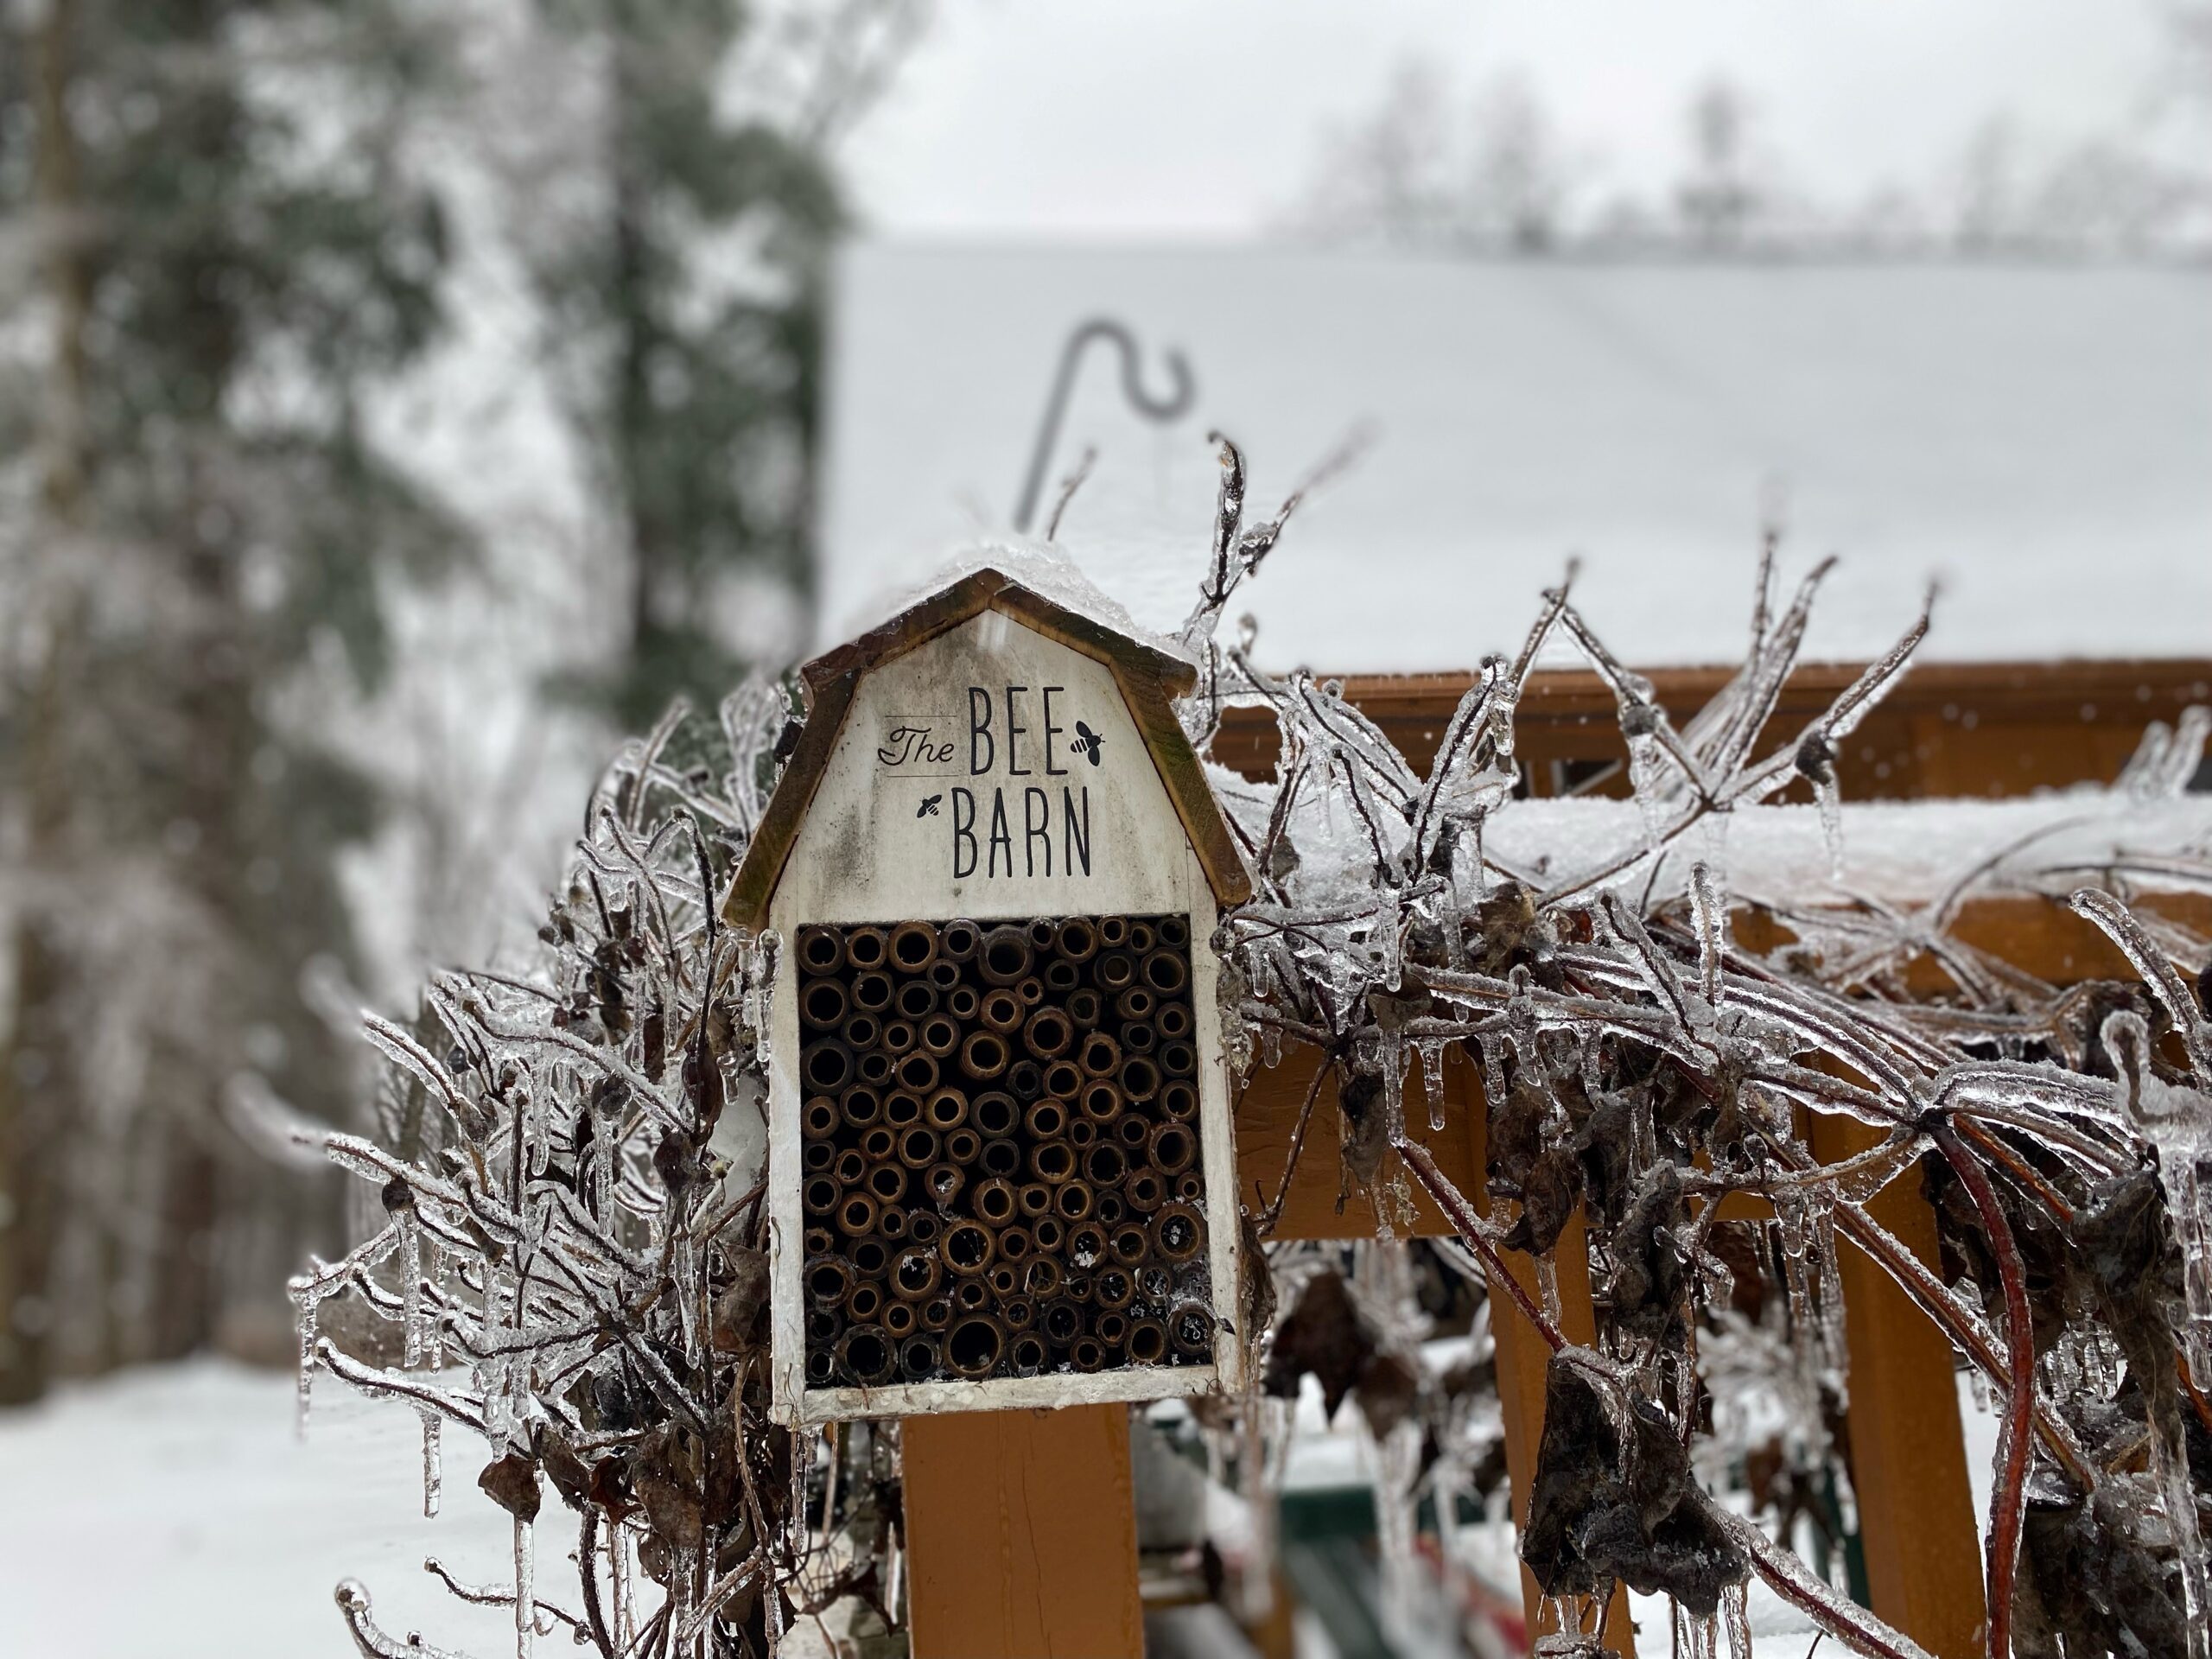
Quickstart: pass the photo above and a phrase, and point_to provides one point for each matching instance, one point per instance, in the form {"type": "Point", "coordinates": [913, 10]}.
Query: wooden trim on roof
{"type": "Point", "coordinates": [1148, 678]}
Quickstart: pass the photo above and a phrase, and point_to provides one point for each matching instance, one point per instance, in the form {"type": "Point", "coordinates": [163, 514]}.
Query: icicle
{"type": "Point", "coordinates": [1647, 772]}
{"type": "Point", "coordinates": [309, 1307]}
{"type": "Point", "coordinates": [433, 1464]}
{"type": "Point", "coordinates": [1736, 1612]}
{"type": "Point", "coordinates": [1829, 800]}
{"type": "Point", "coordinates": [1431, 1050]}
{"type": "Point", "coordinates": [2170, 1472]}
{"type": "Point", "coordinates": [525, 1593]}
{"type": "Point", "coordinates": [1493, 1048]}
{"type": "Point", "coordinates": [1270, 1047]}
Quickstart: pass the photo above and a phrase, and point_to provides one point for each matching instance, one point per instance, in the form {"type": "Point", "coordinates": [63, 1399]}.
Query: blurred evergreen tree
{"type": "Point", "coordinates": [198, 539]}
{"type": "Point", "coordinates": [682, 257]}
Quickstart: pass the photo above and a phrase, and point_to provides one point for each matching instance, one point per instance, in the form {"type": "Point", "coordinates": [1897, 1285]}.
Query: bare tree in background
{"type": "Point", "coordinates": [1717, 200]}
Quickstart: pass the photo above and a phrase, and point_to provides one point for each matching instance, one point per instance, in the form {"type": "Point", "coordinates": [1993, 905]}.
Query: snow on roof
{"type": "Point", "coordinates": [2038, 438]}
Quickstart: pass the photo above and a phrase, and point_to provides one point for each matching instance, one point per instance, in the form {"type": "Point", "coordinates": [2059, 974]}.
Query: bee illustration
{"type": "Point", "coordinates": [928, 809]}
{"type": "Point", "coordinates": [1086, 742]}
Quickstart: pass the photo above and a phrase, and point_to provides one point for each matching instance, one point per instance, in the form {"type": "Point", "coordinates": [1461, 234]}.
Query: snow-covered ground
{"type": "Point", "coordinates": [173, 1513]}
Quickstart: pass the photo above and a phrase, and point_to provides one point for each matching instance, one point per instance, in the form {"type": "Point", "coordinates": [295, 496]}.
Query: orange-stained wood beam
{"type": "Point", "coordinates": [1022, 1534]}
{"type": "Point", "coordinates": [1908, 1456]}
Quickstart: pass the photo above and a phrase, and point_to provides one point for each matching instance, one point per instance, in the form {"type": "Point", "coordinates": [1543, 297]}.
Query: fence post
{"type": "Point", "coordinates": [1022, 1534]}
{"type": "Point", "coordinates": [1908, 1453]}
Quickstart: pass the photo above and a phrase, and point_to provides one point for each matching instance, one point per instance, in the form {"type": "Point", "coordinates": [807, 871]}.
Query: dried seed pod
{"type": "Point", "coordinates": [972, 1347]}
{"type": "Point", "coordinates": [826, 1066]}
{"type": "Point", "coordinates": [819, 950]}
{"type": "Point", "coordinates": [820, 1117]}
{"type": "Point", "coordinates": [915, 1272]}
{"type": "Point", "coordinates": [983, 1055]}
{"type": "Point", "coordinates": [967, 1247]}
{"type": "Point", "coordinates": [956, 940]}
{"type": "Point", "coordinates": [866, 1356]}
{"type": "Point", "coordinates": [1179, 1231]}
{"type": "Point", "coordinates": [1005, 955]}
{"type": "Point", "coordinates": [913, 946]}
{"type": "Point", "coordinates": [822, 1004]}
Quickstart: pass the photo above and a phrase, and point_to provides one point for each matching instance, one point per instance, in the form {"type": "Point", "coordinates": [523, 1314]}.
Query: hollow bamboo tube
{"type": "Point", "coordinates": [867, 948]}
{"type": "Point", "coordinates": [1005, 955]}
{"type": "Point", "coordinates": [973, 1346]}
{"type": "Point", "coordinates": [819, 951]}
{"type": "Point", "coordinates": [913, 946]}
{"type": "Point", "coordinates": [957, 940]}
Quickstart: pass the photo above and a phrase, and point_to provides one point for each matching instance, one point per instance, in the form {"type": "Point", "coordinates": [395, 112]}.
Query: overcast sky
{"type": "Point", "coordinates": [1183, 120]}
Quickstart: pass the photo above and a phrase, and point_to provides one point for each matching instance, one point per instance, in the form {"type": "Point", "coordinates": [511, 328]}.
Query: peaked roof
{"type": "Point", "coordinates": [1148, 678]}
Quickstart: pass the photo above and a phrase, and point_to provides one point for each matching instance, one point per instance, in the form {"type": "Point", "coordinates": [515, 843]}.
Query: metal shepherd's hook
{"type": "Point", "coordinates": [1160, 410]}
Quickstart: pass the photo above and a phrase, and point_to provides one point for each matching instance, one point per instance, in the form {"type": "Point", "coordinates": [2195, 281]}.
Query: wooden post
{"type": "Point", "coordinates": [1908, 1456]}
{"type": "Point", "coordinates": [1022, 1534]}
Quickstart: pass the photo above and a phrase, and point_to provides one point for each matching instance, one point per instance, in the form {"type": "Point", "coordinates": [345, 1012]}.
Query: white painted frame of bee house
{"type": "Point", "coordinates": [936, 779]}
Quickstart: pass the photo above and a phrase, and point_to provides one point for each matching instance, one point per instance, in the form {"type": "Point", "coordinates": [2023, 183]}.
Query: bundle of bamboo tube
{"type": "Point", "coordinates": [1000, 1147]}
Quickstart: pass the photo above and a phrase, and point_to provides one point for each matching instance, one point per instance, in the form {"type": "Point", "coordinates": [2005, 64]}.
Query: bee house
{"type": "Point", "coordinates": [1000, 1167]}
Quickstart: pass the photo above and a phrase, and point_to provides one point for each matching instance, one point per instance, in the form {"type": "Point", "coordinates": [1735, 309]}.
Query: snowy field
{"type": "Point", "coordinates": [172, 1513]}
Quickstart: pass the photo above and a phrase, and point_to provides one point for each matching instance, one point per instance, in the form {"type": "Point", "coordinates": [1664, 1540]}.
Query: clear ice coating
{"type": "Point", "coordinates": [562, 1228]}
